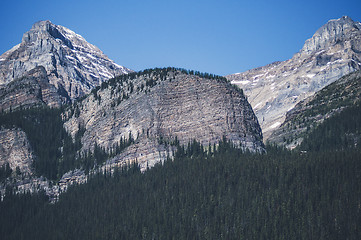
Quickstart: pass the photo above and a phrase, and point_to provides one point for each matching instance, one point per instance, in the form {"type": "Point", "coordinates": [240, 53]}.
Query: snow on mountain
{"type": "Point", "coordinates": [272, 90]}
{"type": "Point", "coordinates": [73, 65]}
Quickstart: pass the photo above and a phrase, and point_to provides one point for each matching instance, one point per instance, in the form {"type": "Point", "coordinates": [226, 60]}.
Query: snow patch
{"type": "Point", "coordinates": [270, 76]}
{"type": "Point", "coordinates": [257, 76]}
{"type": "Point", "coordinates": [351, 60]}
{"type": "Point", "coordinates": [117, 65]}
{"type": "Point", "coordinates": [15, 47]}
{"type": "Point", "coordinates": [258, 104]}
{"type": "Point", "coordinates": [91, 56]}
{"type": "Point", "coordinates": [276, 124]}
{"type": "Point", "coordinates": [241, 82]}
{"type": "Point", "coordinates": [290, 109]}
{"type": "Point", "coordinates": [336, 61]}
{"type": "Point", "coordinates": [70, 58]}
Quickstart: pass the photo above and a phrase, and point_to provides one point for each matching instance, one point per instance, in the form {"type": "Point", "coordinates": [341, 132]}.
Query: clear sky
{"type": "Point", "coordinates": [220, 37]}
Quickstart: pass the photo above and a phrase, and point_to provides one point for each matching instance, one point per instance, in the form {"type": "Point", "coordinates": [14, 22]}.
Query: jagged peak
{"type": "Point", "coordinates": [42, 25]}
{"type": "Point", "coordinates": [44, 30]}
{"type": "Point", "coordinates": [342, 20]}
{"type": "Point", "coordinates": [339, 25]}
{"type": "Point", "coordinates": [333, 31]}
{"type": "Point", "coordinates": [71, 62]}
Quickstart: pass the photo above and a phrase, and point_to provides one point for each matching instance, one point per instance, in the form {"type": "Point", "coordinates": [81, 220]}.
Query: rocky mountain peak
{"type": "Point", "coordinates": [274, 89]}
{"type": "Point", "coordinates": [43, 30]}
{"type": "Point", "coordinates": [73, 65]}
{"type": "Point", "coordinates": [333, 32]}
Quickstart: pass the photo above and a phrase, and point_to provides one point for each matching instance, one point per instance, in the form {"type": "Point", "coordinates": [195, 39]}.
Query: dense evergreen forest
{"type": "Point", "coordinates": [44, 129]}
{"type": "Point", "coordinates": [341, 131]}
{"type": "Point", "coordinates": [220, 194]}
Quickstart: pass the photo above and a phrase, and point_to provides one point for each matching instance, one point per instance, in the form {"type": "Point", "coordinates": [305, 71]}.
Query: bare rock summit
{"type": "Point", "coordinates": [273, 90]}
{"type": "Point", "coordinates": [73, 66]}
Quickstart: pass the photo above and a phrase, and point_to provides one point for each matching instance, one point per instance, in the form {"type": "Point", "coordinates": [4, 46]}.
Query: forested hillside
{"type": "Point", "coordinates": [341, 131]}
{"type": "Point", "coordinates": [308, 114]}
{"type": "Point", "coordinates": [221, 194]}
{"type": "Point", "coordinates": [54, 148]}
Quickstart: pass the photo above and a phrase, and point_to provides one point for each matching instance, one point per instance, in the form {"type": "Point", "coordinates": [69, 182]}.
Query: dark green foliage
{"type": "Point", "coordinates": [222, 194]}
{"type": "Point", "coordinates": [330, 100]}
{"type": "Point", "coordinates": [99, 155]}
{"type": "Point", "coordinates": [5, 171]}
{"type": "Point", "coordinates": [340, 131]}
{"type": "Point", "coordinates": [17, 210]}
{"type": "Point", "coordinates": [159, 73]}
{"type": "Point", "coordinates": [44, 129]}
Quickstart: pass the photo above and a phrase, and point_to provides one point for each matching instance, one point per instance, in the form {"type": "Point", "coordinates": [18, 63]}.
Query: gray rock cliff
{"type": "Point", "coordinates": [33, 89]}
{"type": "Point", "coordinates": [332, 52]}
{"type": "Point", "coordinates": [15, 150]}
{"type": "Point", "coordinates": [165, 105]}
{"type": "Point", "coordinates": [73, 65]}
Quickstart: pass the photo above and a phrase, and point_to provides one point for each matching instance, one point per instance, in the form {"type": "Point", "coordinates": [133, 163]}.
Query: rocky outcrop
{"type": "Point", "coordinates": [16, 151]}
{"type": "Point", "coordinates": [164, 104]}
{"type": "Point", "coordinates": [146, 152]}
{"type": "Point", "coordinates": [307, 114]}
{"type": "Point", "coordinates": [73, 66]}
{"type": "Point", "coordinates": [33, 89]}
{"type": "Point", "coordinates": [336, 31]}
{"type": "Point", "coordinates": [273, 90]}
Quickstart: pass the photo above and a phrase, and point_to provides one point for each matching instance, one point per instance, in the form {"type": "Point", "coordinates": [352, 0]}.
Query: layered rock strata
{"type": "Point", "coordinates": [33, 89]}
{"type": "Point", "coordinates": [165, 106]}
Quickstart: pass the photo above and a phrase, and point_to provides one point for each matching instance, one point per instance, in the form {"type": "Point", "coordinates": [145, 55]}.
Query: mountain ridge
{"type": "Point", "coordinates": [332, 52]}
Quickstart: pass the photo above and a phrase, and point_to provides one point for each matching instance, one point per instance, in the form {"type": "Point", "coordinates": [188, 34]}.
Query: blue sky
{"type": "Point", "coordinates": [220, 37]}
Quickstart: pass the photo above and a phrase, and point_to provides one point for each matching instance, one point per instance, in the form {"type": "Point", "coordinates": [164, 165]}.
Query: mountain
{"type": "Point", "coordinates": [159, 106]}
{"type": "Point", "coordinates": [73, 66]}
{"type": "Point", "coordinates": [308, 114]}
{"type": "Point", "coordinates": [144, 118]}
{"type": "Point", "coordinates": [272, 90]}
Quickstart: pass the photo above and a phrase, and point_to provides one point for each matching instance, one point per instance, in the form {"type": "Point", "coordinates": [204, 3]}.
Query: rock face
{"type": "Point", "coordinates": [308, 113]}
{"type": "Point", "coordinates": [156, 108]}
{"type": "Point", "coordinates": [73, 66]}
{"type": "Point", "coordinates": [164, 104]}
{"type": "Point", "coordinates": [33, 89]}
{"type": "Point", "coordinates": [15, 150]}
{"type": "Point", "coordinates": [272, 90]}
